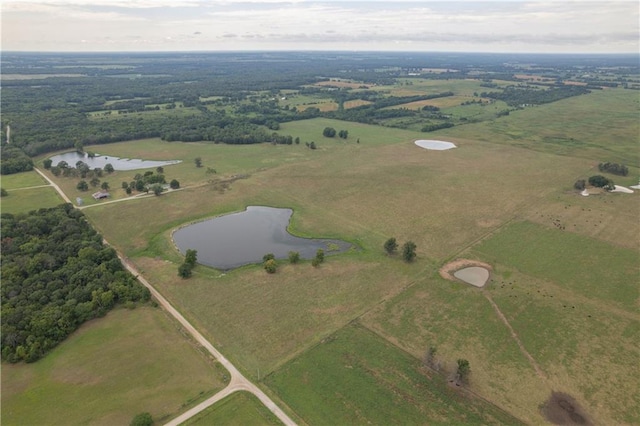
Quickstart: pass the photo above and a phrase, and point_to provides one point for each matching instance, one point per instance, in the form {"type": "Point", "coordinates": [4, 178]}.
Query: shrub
{"type": "Point", "coordinates": [390, 246]}
{"type": "Point", "coordinates": [294, 257]}
{"type": "Point", "coordinates": [270, 266]}
{"type": "Point", "coordinates": [142, 419]}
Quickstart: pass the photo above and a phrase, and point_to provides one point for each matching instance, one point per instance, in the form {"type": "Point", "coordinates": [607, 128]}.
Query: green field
{"type": "Point", "coordinates": [129, 362]}
{"type": "Point", "coordinates": [353, 377]}
{"type": "Point", "coordinates": [239, 408]}
{"type": "Point", "coordinates": [342, 343]}
{"type": "Point", "coordinates": [24, 200]}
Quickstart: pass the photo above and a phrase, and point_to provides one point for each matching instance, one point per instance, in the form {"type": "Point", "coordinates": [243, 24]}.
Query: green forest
{"type": "Point", "coordinates": [56, 274]}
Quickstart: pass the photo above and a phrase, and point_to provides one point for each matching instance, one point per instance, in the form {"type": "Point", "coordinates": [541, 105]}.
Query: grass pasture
{"type": "Point", "coordinates": [601, 126]}
{"type": "Point", "coordinates": [27, 191]}
{"type": "Point", "coordinates": [570, 299]}
{"type": "Point", "coordinates": [590, 268]}
{"type": "Point", "coordinates": [113, 368]}
{"type": "Point", "coordinates": [345, 339]}
{"type": "Point", "coordinates": [353, 377]}
{"type": "Point", "coordinates": [22, 180]}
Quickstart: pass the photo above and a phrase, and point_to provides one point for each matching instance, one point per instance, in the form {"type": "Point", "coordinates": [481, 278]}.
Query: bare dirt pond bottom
{"type": "Point", "coordinates": [474, 275]}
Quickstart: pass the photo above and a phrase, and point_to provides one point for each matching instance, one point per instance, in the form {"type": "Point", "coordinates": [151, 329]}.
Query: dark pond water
{"type": "Point", "coordinates": [237, 239]}
{"type": "Point", "coordinates": [102, 160]}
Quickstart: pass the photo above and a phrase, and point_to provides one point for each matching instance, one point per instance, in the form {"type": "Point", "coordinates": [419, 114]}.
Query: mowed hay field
{"type": "Point", "coordinates": [27, 191]}
{"type": "Point", "coordinates": [450, 203]}
{"type": "Point", "coordinates": [111, 369]}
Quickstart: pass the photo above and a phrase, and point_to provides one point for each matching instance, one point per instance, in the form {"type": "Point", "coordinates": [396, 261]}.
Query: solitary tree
{"type": "Point", "coordinates": [191, 257]}
{"type": "Point", "coordinates": [47, 163]}
{"type": "Point", "coordinates": [108, 168]}
{"type": "Point", "coordinates": [312, 145]}
{"type": "Point", "coordinates": [580, 184]}
{"type": "Point", "coordinates": [157, 189]}
{"type": "Point", "coordinates": [125, 185]}
{"type": "Point", "coordinates": [329, 132]}
{"type": "Point", "coordinates": [320, 255]}
{"type": "Point", "coordinates": [409, 251]}
{"type": "Point", "coordinates": [463, 371]}
{"type": "Point", "coordinates": [174, 184]}
{"type": "Point", "coordinates": [105, 186]}
{"type": "Point", "coordinates": [82, 185]}
{"type": "Point", "coordinates": [160, 170]}
{"type": "Point", "coordinates": [184, 270]}
{"type": "Point", "coordinates": [4, 193]}
{"type": "Point", "coordinates": [198, 161]}
{"type": "Point", "coordinates": [94, 182]}
{"type": "Point", "coordinates": [390, 246]}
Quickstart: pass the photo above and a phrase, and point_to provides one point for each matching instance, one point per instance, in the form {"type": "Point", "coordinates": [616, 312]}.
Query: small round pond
{"type": "Point", "coordinates": [238, 239]}
{"type": "Point", "coordinates": [102, 160]}
{"type": "Point", "coordinates": [434, 144]}
{"type": "Point", "coordinates": [474, 275]}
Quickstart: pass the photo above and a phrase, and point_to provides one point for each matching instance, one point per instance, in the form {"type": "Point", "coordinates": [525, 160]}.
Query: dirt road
{"type": "Point", "coordinates": [237, 383]}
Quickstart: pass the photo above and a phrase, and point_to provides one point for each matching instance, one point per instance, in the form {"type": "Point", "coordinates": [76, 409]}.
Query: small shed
{"type": "Point", "coordinates": [100, 195]}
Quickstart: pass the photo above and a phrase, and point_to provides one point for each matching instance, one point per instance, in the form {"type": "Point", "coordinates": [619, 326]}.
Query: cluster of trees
{"type": "Point", "coordinates": [463, 368]}
{"type": "Point", "coordinates": [270, 264]}
{"type": "Point", "coordinates": [600, 181]}
{"type": "Point", "coordinates": [330, 132]}
{"type": "Point", "coordinates": [185, 270]}
{"type": "Point", "coordinates": [56, 274]}
{"type": "Point", "coordinates": [14, 160]}
{"type": "Point", "coordinates": [148, 181]}
{"type": "Point", "coordinates": [614, 168]}
{"type": "Point", "coordinates": [408, 249]}
{"type": "Point", "coordinates": [436, 126]}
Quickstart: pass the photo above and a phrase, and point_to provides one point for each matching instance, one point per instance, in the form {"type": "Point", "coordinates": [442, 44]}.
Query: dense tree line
{"type": "Point", "coordinates": [515, 96]}
{"type": "Point", "coordinates": [56, 274]}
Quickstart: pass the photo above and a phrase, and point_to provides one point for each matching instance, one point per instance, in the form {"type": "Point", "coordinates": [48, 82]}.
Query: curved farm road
{"type": "Point", "coordinates": [237, 383]}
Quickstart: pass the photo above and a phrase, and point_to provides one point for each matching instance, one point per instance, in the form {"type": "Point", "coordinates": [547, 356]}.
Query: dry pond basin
{"type": "Point", "coordinates": [472, 272]}
{"type": "Point", "coordinates": [434, 145]}
{"type": "Point", "coordinates": [474, 275]}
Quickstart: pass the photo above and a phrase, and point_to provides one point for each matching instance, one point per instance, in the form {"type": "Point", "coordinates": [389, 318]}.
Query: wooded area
{"type": "Point", "coordinates": [56, 274]}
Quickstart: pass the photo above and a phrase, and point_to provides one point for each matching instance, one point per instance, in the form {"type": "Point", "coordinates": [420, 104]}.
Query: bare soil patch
{"type": "Point", "coordinates": [447, 270]}
{"type": "Point", "coordinates": [562, 409]}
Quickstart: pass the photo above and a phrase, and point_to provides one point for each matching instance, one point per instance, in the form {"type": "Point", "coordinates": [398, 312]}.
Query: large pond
{"type": "Point", "coordinates": [102, 160]}
{"type": "Point", "coordinates": [237, 239]}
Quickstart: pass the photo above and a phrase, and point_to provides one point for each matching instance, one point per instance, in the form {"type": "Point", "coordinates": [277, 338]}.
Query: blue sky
{"type": "Point", "coordinates": [218, 25]}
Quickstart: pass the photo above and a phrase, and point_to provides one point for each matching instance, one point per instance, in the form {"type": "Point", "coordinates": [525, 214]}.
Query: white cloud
{"type": "Point", "coordinates": [455, 25]}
